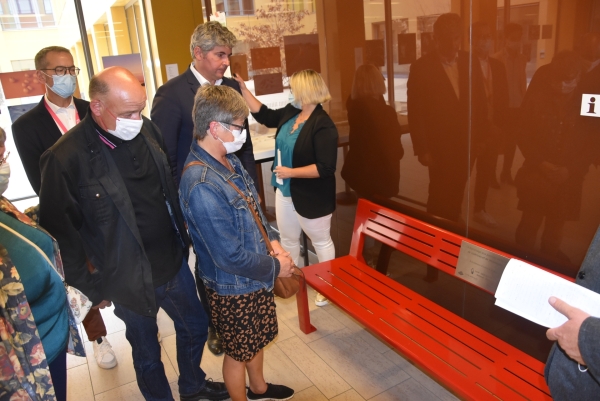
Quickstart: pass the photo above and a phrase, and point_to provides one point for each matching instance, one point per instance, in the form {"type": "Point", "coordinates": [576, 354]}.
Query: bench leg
{"type": "Point", "coordinates": [303, 312]}
{"type": "Point", "coordinates": [384, 259]}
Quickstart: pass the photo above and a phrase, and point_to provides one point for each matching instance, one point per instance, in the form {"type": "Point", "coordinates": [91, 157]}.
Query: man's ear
{"type": "Point", "coordinates": [41, 77]}
{"type": "Point", "coordinates": [96, 106]}
{"type": "Point", "coordinates": [198, 55]}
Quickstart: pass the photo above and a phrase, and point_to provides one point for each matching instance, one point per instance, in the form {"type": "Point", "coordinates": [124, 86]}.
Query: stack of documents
{"type": "Point", "coordinates": [525, 289]}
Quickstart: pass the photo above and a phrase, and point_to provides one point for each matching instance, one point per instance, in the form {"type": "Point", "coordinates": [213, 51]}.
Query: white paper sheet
{"type": "Point", "coordinates": [279, 180]}
{"type": "Point", "coordinates": [525, 289]}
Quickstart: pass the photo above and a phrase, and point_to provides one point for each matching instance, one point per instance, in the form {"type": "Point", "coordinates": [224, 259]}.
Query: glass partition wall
{"type": "Point", "coordinates": [489, 141]}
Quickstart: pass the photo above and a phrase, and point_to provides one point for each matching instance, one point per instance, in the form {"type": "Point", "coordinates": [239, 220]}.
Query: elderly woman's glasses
{"type": "Point", "coordinates": [240, 127]}
{"type": "Point", "coordinates": [60, 71]}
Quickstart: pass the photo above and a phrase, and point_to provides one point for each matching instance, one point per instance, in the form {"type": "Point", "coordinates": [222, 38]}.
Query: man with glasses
{"type": "Point", "coordinates": [211, 46]}
{"type": "Point", "coordinates": [37, 130]}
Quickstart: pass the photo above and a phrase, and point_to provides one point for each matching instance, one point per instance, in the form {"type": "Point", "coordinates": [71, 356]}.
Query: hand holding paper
{"type": "Point", "coordinates": [525, 290]}
{"type": "Point", "coordinates": [567, 335]}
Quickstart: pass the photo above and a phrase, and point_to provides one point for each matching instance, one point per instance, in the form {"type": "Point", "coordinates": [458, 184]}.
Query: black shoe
{"type": "Point", "coordinates": [214, 342]}
{"type": "Point", "coordinates": [274, 392]}
{"type": "Point", "coordinates": [213, 391]}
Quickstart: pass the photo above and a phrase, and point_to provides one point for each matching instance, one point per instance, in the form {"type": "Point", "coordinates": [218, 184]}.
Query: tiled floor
{"type": "Point", "coordinates": [341, 361]}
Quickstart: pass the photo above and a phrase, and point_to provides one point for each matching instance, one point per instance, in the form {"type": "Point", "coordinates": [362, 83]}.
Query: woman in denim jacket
{"type": "Point", "coordinates": [233, 259]}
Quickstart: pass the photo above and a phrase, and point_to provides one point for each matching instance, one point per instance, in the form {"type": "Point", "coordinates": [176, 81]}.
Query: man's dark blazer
{"type": "Point", "coordinates": [438, 120]}
{"type": "Point", "coordinates": [500, 95]}
{"type": "Point", "coordinates": [172, 113]}
{"type": "Point", "coordinates": [36, 131]}
{"type": "Point", "coordinates": [446, 127]}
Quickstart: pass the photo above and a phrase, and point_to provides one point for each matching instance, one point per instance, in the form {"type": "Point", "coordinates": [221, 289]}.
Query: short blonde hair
{"type": "Point", "coordinates": [368, 81]}
{"type": "Point", "coordinates": [309, 87]}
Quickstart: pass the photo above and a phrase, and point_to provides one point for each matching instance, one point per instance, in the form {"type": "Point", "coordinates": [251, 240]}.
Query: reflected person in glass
{"type": "Point", "coordinates": [372, 165]}
{"type": "Point", "coordinates": [304, 165]}
{"type": "Point", "coordinates": [557, 155]}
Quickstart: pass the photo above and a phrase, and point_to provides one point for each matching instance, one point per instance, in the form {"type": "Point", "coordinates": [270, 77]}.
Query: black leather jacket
{"type": "Point", "coordinates": [85, 205]}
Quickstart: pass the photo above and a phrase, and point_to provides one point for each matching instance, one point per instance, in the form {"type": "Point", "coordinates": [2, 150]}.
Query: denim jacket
{"type": "Point", "coordinates": [232, 255]}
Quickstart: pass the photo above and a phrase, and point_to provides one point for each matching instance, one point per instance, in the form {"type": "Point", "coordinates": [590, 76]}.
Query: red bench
{"type": "Point", "coordinates": [469, 361]}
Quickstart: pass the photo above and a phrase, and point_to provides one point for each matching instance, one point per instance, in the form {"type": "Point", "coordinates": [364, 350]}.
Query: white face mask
{"type": "Point", "coordinates": [127, 129]}
{"type": "Point", "coordinates": [239, 138]}
{"type": "Point", "coordinates": [4, 176]}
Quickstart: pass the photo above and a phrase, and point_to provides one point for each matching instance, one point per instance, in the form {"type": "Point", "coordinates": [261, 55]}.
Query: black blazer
{"type": "Point", "coordinates": [85, 205]}
{"type": "Point", "coordinates": [438, 120]}
{"type": "Point", "coordinates": [172, 113]}
{"type": "Point", "coordinates": [500, 95]}
{"type": "Point", "coordinates": [34, 132]}
{"type": "Point", "coordinates": [316, 144]}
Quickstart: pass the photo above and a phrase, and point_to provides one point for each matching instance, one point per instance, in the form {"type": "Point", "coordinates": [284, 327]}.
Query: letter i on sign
{"type": "Point", "coordinates": [588, 105]}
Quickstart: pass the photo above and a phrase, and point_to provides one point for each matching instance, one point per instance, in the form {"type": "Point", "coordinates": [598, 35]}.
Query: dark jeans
{"type": "Point", "coordinates": [179, 299]}
{"type": "Point", "coordinates": [58, 372]}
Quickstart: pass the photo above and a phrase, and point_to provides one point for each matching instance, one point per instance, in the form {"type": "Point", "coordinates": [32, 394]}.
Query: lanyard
{"type": "Point", "coordinates": [57, 120]}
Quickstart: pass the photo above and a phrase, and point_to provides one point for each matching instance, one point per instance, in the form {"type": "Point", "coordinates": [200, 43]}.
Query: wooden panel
{"type": "Point", "coordinates": [268, 83]}
{"type": "Point", "coordinates": [301, 53]}
{"type": "Point", "coordinates": [266, 57]}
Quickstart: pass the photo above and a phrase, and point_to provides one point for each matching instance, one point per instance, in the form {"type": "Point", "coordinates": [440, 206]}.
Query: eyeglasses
{"type": "Point", "coordinates": [60, 70]}
{"type": "Point", "coordinates": [241, 127]}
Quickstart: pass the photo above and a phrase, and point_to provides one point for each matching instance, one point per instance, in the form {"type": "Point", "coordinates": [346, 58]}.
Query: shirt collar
{"type": "Point", "coordinates": [450, 63]}
{"type": "Point", "coordinates": [56, 108]}
{"type": "Point", "coordinates": [201, 79]}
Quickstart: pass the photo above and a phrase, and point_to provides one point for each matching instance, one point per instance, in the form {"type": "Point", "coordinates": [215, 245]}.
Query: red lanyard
{"type": "Point", "coordinates": [57, 120]}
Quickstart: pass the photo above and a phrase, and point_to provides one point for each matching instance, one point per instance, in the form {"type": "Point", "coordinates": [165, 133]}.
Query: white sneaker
{"type": "Point", "coordinates": [485, 218]}
{"type": "Point", "coordinates": [320, 300]}
{"type": "Point", "coordinates": [104, 354]}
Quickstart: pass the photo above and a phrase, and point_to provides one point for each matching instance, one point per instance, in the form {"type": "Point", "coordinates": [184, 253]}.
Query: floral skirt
{"type": "Point", "coordinates": [246, 323]}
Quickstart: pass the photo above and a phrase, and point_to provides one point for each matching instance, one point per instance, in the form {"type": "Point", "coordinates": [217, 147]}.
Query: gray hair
{"type": "Point", "coordinates": [210, 34]}
{"type": "Point", "coordinates": [216, 103]}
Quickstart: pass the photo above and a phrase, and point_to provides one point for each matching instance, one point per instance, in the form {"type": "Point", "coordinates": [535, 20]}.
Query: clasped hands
{"type": "Point", "coordinates": [285, 261]}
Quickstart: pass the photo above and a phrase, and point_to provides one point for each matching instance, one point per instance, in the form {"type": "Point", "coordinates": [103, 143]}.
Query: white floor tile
{"type": "Point", "coordinates": [129, 392]}
{"type": "Point", "coordinates": [73, 361]}
{"type": "Point", "coordinates": [407, 390]}
{"type": "Point", "coordinates": [369, 372]}
{"type": "Point", "coordinates": [350, 395]}
{"type": "Point", "coordinates": [310, 394]}
{"type": "Point", "coordinates": [79, 385]}
{"type": "Point", "coordinates": [279, 369]}
{"type": "Point", "coordinates": [165, 324]}
{"type": "Point", "coordinates": [321, 374]}
{"type": "Point", "coordinates": [211, 364]}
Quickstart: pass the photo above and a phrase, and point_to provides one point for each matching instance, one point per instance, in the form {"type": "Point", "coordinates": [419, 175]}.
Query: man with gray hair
{"type": "Point", "coordinates": [210, 46]}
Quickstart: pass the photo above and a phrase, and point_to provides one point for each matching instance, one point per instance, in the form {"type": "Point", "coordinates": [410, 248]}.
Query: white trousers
{"type": "Point", "coordinates": [291, 224]}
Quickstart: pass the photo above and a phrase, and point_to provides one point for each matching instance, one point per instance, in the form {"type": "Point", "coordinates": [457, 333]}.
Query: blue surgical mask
{"type": "Point", "coordinates": [292, 100]}
{"type": "Point", "coordinates": [64, 85]}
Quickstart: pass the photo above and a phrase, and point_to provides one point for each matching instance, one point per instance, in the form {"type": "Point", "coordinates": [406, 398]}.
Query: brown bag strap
{"type": "Point", "coordinates": [247, 199]}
